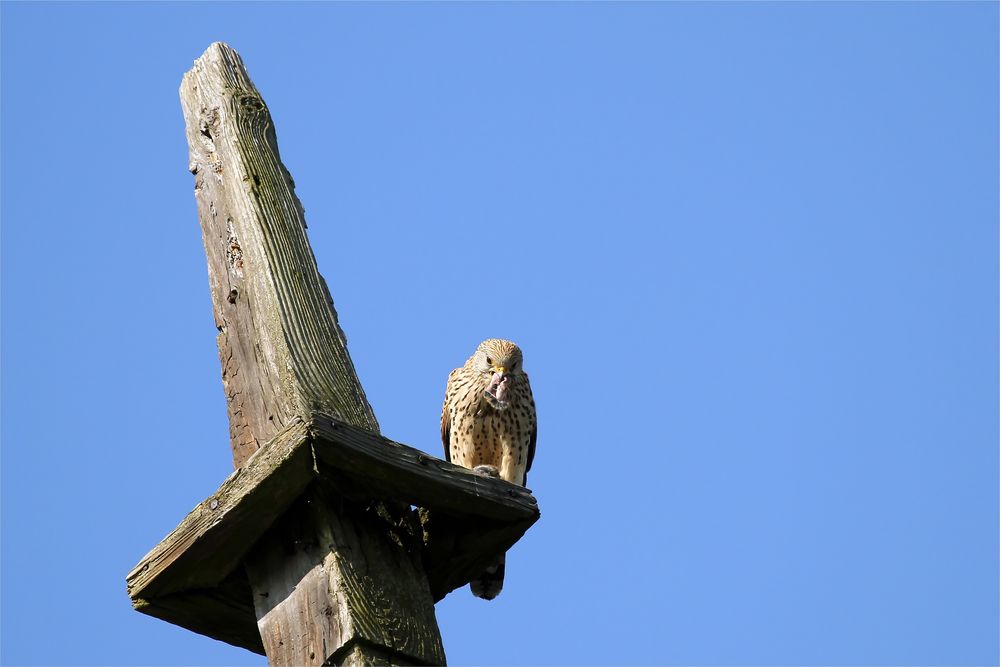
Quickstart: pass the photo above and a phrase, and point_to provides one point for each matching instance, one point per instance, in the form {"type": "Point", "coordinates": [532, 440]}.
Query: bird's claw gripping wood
{"type": "Point", "coordinates": [487, 471]}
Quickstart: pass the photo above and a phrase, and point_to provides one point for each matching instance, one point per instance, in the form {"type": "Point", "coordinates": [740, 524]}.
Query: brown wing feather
{"type": "Point", "coordinates": [531, 446]}
{"type": "Point", "coordinates": [534, 431]}
{"type": "Point", "coordinates": [446, 433]}
{"type": "Point", "coordinates": [446, 420]}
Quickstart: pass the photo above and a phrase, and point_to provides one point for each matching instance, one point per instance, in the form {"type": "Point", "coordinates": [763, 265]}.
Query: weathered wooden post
{"type": "Point", "coordinates": [309, 552]}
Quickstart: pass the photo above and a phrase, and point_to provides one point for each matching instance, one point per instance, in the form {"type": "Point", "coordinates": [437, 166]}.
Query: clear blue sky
{"type": "Point", "coordinates": [750, 252]}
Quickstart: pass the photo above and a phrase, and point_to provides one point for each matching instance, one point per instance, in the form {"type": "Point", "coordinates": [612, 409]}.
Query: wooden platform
{"type": "Point", "coordinates": [195, 577]}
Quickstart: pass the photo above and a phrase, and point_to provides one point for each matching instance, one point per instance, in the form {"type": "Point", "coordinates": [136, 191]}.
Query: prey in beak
{"type": "Point", "coordinates": [496, 391]}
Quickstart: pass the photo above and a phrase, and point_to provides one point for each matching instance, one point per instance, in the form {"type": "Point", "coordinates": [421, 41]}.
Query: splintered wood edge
{"type": "Point", "coordinates": [212, 540]}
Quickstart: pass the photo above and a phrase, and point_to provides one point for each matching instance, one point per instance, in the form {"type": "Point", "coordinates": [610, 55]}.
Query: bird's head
{"type": "Point", "coordinates": [500, 361]}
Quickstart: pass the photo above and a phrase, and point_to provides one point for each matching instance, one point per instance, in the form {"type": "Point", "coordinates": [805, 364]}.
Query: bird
{"type": "Point", "coordinates": [488, 424]}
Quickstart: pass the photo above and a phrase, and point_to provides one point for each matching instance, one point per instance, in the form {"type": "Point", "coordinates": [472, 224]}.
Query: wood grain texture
{"type": "Point", "coordinates": [360, 653]}
{"type": "Point", "coordinates": [476, 516]}
{"type": "Point", "coordinates": [212, 540]}
{"type": "Point", "coordinates": [282, 350]}
{"type": "Point", "coordinates": [223, 612]}
{"type": "Point", "coordinates": [335, 573]}
{"type": "Point", "coordinates": [454, 550]}
{"type": "Point", "coordinates": [398, 472]}
{"type": "Point", "coordinates": [284, 357]}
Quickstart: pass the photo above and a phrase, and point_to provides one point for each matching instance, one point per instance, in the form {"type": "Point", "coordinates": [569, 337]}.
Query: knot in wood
{"type": "Point", "coordinates": [251, 103]}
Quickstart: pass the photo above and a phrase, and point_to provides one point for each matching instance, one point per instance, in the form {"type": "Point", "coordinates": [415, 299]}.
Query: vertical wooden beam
{"type": "Point", "coordinates": [323, 595]}
{"type": "Point", "coordinates": [333, 583]}
{"type": "Point", "coordinates": [282, 350]}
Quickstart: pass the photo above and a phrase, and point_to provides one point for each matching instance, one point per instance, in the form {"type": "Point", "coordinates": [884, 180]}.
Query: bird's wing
{"type": "Point", "coordinates": [534, 428]}
{"type": "Point", "coordinates": [531, 445]}
{"type": "Point", "coordinates": [446, 418]}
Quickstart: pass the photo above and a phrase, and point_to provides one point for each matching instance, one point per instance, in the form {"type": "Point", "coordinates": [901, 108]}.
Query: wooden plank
{"type": "Point", "coordinates": [399, 472]}
{"type": "Point", "coordinates": [224, 612]}
{"type": "Point", "coordinates": [334, 573]}
{"type": "Point", "coordinates": [456, 549]}
{"type": "Point", "coordinates": [282, 350]}
{"type": "Point", "coordinates": [212, 540]}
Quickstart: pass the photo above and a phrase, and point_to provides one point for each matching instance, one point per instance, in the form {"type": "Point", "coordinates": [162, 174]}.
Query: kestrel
{"type": "Point", "coordinates": [488, 424]}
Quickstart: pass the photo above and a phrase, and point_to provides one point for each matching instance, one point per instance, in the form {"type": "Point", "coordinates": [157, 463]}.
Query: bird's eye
{"type": "Point", "coordinates": [489, 361]}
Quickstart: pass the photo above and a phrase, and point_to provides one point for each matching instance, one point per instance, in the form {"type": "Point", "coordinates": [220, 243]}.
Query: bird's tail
{"type": "Point", "coordinates": [488, 584]}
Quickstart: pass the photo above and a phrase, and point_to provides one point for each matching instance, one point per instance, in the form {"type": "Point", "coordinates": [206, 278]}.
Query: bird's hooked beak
{"type": "Point", "coordinates": [501, 371]}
